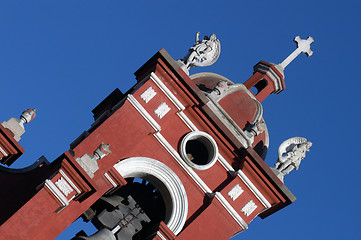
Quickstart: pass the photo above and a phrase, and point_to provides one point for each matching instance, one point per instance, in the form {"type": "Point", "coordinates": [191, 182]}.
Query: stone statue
{"type": "Point", "coordinates": [203, 53]}
{"type": "Point", "coordinates": [290, 154]}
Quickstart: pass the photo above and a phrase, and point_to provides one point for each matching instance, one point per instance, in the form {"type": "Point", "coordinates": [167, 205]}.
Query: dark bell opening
{"type": "Point", "coordinates": [144, 198]}
{"type": "Point", "coordinates": [197, 152]}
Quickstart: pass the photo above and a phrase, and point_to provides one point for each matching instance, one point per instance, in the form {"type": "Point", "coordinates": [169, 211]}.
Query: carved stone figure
{"type": "Point", "coordinates": [203, 53]}
{"type": "Point", "coordinates": [290, 154]}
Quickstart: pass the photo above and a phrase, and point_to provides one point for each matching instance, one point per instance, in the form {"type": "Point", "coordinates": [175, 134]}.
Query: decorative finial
{"type": "Point", "coordinates": [89, 162]}
{"type": "Point", "coordinates": [203, 53]}
{"type": "Point", "coordinates": [290, 154]}
{"type": "Point", "coordinates": [28, 115]}
{"type": "Point", "coordinates": [303, 46]}
{"type": "Point", "coordinates": [102, 151]}
{"type": "Point", "coordinates": [16, 126]}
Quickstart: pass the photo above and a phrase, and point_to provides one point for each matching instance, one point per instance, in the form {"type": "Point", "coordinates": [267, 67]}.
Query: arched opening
{"type": "Point", "coordinates": [259, 86]}
{"type": "Point", "coordinates": [134, 212]}
{"type": "Point", "coordinates": [153, 194]}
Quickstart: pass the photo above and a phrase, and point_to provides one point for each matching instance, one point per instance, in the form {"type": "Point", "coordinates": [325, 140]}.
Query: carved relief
{"type": "Point", "coordinates": [63, 186]}
{"type": "Point", "coordinates": [162, 110]}
{"type": "Point", "coordinates": [235, 192]}
{"type": "Point", "coordinates": [148, 94]}
{"type": "Point", "coordinates": [249, 208]}
{"type": "Point", "coordinates": [290, 154]}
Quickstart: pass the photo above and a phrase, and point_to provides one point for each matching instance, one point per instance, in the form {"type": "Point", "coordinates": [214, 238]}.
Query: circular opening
{"type": "Point", "coordinates": [199, 150]}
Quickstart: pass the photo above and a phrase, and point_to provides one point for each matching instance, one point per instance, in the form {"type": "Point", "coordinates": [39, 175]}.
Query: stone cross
{"type": "Point", "coordinates": [303, 46]}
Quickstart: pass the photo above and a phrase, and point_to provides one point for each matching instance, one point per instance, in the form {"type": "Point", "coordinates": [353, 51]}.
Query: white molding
{"type": "Point", "coordinates": [166, 182]}
{"type": "Point", "coordinates": [161, 236]}
{"type": "Point", "coordinates": [186, 120]}
{"type": "Point", "coordinates": [235, 192]}
{"type": "Point", "coordinates": [174, 153]}
{"type": "Point", "coordinates": [64, 186]}
{"type": "Point", "coordinates": [224, 117]}
{"type": "Point", "coordinates": [144, 113]}
{"type": "Point", "coordinates": [106, 175]}
{"type": "Point", "coordinates": [3, 152]}
{"type": "Point", "coordinates": [210, 144]}
{"type": "Point", "coordinates": [148, 94]}
{"type": "Point", "coordinates": [182, 163]}
{"type": "Point", "coordinates": [166, 91]}
{"type": "Point", "coordinates": [272, 74]}
{"type": "Point", "coordinates": [174, 100]}
{"type": "Point", "coordinates": [249, 208]}
{"type": "Point", "coordinates": [253, 188]}
{"type": "Point", "coordinates": [246, 181]}
{"type": "Point", "coordinates": [57, 193]}
{"type": "Point", "coordinates": [162, 110]}
{"type": "Point", "coordinates": [231, 210]}
{"type": "Point", "coordinates": [69, 181]}
{"type": "Point", "coordinates": [199, 181]}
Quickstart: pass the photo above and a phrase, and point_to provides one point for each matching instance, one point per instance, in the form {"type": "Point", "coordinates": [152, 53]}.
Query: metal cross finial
{"type": "Point", "coordinates": [303, 46]}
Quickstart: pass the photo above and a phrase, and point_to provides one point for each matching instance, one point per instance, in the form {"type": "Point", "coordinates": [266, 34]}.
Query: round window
{"type": "Point", "coordinates": [199, 150]}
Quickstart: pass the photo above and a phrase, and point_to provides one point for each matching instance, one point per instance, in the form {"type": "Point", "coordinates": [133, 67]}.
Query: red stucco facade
{"type": "Point", "coordinates": [34, 206]}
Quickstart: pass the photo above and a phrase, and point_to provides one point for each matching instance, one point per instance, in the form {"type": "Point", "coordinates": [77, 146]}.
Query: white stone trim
{"type": "Point", "coordinates": [174, 100]}
{"type": "Point", "coordinates": [199, 181]}
{"type": "Point", "coordinates": [173, 152]}
{"type": "Point", "coordinates": [167, 183]}
{"type": "Point", "coordinates": [3, 152]}
{"type": "Point", "coordinates": [162, 110]}
{"type": "Point", "coordinates": [212, 147]}
{"type": "Point", "coordinates": [166, 91]}
{"type": "Point", "coordinates": [69, 181]}
{"type": "Point", "coordinates": [249, 208]}
{"type": "Point", "coordinates": [253, 188]}
{"type": "Point", "coordinates": [235, 192]}
{"type": "Point", "coordinates": [64, 186]}
{"type": "Point", "coordinates": [144, 113]}
{"type": "Point", "coordinates": [228, 121]}
{"type": "Point", "coordinates": [182, 163]}
{"type": "Point", "coordinates": [106, 175]}
{"type": "Point", "coordinates": [57, 193]}
{"type": "Point", "coordinates": [161, 236]}
{"type": "Point", "coordinates": [186, 120]}
{"type": "Point", "coordinates": [246, 181]}
{"type": "Point", "coordinates": [231, 210]}
{"type": "Point", "coordinates": [272, 74]}
{"type": "Point", "coordinates": [148, 94]}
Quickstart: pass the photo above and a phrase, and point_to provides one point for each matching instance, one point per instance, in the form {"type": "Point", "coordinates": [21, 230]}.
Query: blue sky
{"type": "Point", "coordinates": [65, 57]}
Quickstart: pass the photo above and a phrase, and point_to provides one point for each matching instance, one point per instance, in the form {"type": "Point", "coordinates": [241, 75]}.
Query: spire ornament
{"type": "Point", "coordinates": [303, 46]}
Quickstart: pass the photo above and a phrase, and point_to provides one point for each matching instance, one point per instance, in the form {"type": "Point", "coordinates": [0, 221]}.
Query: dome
{"type": "Point", "coordinates": [239, 107]}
